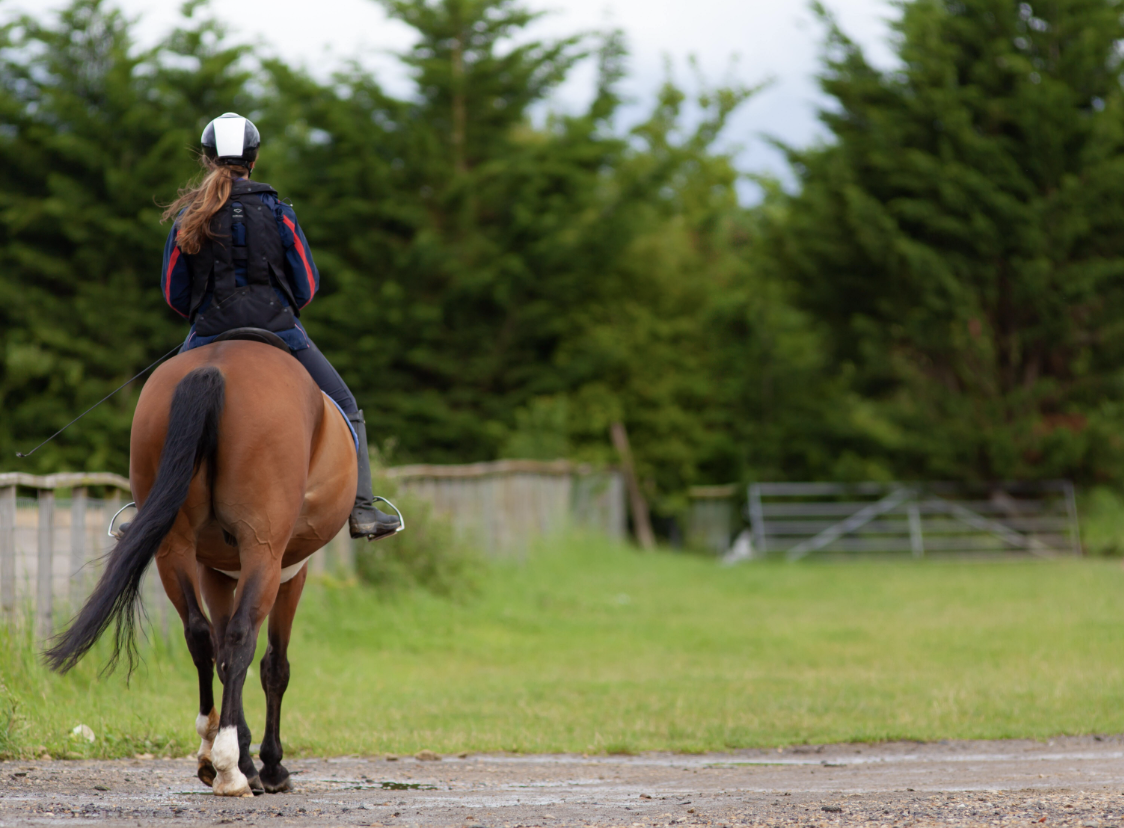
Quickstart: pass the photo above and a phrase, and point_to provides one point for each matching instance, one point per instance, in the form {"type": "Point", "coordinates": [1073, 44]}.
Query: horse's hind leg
{"type": "Point", "coordinates": [274, 680]}
{"type": "Point", "coordinates": [197, 630]}
{"type": "Point", "coordinates": [176, 564]}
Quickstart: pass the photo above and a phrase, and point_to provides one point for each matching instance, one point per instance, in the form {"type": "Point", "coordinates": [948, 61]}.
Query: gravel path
{"type": "Point", "coordinates": [1067, 781]}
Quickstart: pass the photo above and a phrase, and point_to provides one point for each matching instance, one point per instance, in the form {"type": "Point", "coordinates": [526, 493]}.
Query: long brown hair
{"type": "Point", "coordinates": [199, 201]}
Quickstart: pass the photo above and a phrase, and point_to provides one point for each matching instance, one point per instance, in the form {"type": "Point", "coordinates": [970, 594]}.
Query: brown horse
{"type": "Point", "coordinates": [241, 469]}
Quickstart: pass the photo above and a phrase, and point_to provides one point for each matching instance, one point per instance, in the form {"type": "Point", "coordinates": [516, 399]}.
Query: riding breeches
{"type": "Point", "coordinates": [327, 377]}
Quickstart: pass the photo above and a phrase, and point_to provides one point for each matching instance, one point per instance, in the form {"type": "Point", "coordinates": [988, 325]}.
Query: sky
{"type": "Point", "coordinates": [749, 41]}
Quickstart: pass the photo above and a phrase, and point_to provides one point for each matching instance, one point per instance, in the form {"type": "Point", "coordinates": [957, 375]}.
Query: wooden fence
{"type": "Point", "coordinates": [503, 507]}
{"type": "Point", "coordinates": [48, 546]}
{"type": "Point", "coordinates": [713, 519]}
{"type": "Point", "coordinates": [51, 547]}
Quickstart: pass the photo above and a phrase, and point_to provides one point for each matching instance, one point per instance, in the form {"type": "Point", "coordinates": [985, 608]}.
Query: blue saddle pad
{"type": "Point", "coordinates": [350, 427]}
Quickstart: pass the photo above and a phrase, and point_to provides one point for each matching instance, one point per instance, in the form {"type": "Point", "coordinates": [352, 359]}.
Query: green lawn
{"type": "Point", "coordinates": [591, 647]}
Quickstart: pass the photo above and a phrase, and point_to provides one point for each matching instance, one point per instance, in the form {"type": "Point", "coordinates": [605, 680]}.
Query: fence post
{"type": "Point", "coordinates": [165, 623]}
{"type": "Point", "coordinates": [916, 539]}
{"type": "Point", "coordinates": [8, 549]}
{"type": "Point", "coordinates": [44, 604]}
{"type": "Point", "coordinates": [757, 520]}
{"type": "Point", "coordinates": [618, 514]}
{"type": "Point", "coordinates": [78, 498]}
{"type": "Point", "coordinates": [345, 553]}
{"type": "Point", "coordinates": [113, 502]}
{"type": "Point", "coordinates": [1071, 512]}
{"type": "Point", "coordinates": [156, 602]}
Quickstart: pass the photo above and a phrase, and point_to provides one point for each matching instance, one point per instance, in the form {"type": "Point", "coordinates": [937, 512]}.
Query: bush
{"type": "Point", "coordinates": [426, 554]}
{"type": "Point", "coordinates": [1102, 523]}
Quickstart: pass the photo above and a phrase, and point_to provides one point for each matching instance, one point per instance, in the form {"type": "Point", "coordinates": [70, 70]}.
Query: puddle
{"type": "Point", "coordinates": [390, 786]}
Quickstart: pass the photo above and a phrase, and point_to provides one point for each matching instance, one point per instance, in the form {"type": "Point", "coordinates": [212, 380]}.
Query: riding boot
{"type": "Point", "coordinates": [366, 521]}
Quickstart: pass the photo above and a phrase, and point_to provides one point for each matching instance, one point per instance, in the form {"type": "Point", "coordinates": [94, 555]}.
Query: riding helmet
{"type": "Point", "coordinates": [231, 140]}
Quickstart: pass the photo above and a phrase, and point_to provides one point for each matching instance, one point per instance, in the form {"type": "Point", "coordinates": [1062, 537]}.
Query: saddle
{"type": "Point", "coordinates": [254, 335]}
{"type": "Point", "coordinates": [270, 338]}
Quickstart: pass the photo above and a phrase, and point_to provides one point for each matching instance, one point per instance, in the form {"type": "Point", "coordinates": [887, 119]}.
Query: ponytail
{"type": "Point", "coordinates": [199, 202]}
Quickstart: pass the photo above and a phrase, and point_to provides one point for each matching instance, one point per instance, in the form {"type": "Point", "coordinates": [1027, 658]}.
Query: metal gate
{"type": "Point", "coordinates": [919, 519]}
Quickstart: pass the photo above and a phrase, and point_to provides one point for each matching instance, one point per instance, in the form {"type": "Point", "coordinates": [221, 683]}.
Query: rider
{"type": "Point", "coordinates": [261, 279]}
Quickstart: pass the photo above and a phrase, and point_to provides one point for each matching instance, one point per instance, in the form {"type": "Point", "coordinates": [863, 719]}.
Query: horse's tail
{"type": "Point", "coordinates": [192, 437]}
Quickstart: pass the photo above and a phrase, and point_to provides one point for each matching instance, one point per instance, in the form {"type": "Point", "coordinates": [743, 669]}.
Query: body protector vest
{"type": "Point", "coordinates": [255, 304]}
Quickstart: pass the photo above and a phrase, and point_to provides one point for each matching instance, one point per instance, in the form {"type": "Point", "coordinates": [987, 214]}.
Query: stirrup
{"type": "Point", "coordinates": [401, 520]}
{"type": "Point", "coordinates": [119, 532]}
{"type": "Point", "coordinates": [386, 531]}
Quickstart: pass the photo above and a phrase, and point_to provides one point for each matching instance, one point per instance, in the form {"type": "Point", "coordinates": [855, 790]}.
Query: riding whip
{"type": "Point", "coordinates": [95, 405]}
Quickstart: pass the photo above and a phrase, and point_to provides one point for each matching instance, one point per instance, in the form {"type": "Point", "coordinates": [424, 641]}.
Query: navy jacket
{"type": "Point", "coordinates": [300, 269]}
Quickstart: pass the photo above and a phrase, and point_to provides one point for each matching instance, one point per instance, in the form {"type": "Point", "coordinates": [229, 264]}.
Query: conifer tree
{"type": "Point", "coordinates": [963, 235]}
{"type": "Point", "coordinates": [492, 283]}
{"type": "Point", "coordinates": [92, 129]}
{"type": "Point", "coordinates": [495, 287]}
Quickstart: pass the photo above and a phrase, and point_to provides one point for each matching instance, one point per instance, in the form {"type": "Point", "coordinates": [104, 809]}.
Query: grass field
{"type": "Point", "coordinates": [594, 648]}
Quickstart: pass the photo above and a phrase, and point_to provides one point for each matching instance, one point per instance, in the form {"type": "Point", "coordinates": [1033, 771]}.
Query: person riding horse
{"type": "Point", "coordinates": [236, 258]}
{"type": "Point", "coordinates": [241, 463]}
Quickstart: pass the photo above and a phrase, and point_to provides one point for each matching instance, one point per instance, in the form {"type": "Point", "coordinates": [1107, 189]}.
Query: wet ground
{"type": "Point", "coordinates": [1070, 781]}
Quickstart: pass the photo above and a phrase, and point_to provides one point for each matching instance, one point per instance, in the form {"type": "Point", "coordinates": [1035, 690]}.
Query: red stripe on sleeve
{"type": "Point", "coordinates": [168, 280]}
{"type": "Point", "coordinates": [304, 258]}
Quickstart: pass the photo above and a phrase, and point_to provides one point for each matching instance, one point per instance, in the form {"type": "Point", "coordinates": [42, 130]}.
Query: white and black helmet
{"type": "Point", "coordinates": [232, 140]}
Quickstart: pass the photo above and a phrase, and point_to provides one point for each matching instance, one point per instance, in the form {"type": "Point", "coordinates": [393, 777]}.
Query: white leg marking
{"type": "Point", "coordinates": [225, 752]}
{"type": "Point", "coordinates": [208, 728]}
{"type": "Point", "coordinates": [224, 756]}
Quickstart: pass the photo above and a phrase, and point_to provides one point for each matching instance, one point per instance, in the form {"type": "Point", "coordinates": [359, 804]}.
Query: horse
{"type": "Point", "coordinates": [241, 468]}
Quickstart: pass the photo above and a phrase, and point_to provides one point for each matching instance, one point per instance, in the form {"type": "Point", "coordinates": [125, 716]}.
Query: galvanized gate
{"type": "Point", "coordinates": [801, 519]}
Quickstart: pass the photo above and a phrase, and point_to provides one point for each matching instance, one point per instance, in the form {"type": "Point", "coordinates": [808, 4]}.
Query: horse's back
{"type": "Point", "coordinates": [254, 373]}
{"type": "Point", "coordinates": [269, 398]}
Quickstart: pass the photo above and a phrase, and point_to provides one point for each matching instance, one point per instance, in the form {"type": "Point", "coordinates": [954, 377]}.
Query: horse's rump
{"type": "Point", "coordinates": [279, 446]}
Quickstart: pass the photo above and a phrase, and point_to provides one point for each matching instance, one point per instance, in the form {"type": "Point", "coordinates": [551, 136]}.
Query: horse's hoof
{"type": "Point", "coordinates": [283, 786]}
{"type": "Point", "coordinates": [276, 779]}
{"type": "Point", "coordinates": [207, 772]}
{"type": "Point", "coordinates": [233, 783]}
{"type": "Point", "coordinates": [238, 789]}
{"type": "Point", "coordinates": [255, 785]}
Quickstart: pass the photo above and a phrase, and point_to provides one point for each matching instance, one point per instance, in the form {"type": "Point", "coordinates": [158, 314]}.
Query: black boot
{"type": "Point", "coordinates": [366, 521]}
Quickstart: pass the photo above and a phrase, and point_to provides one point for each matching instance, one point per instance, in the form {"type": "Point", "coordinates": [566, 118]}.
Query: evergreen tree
{"type": "Point", "coordinates": [490, 277]}
{"type": "Point", "coordinates": [425, 226]}
{"type": "Point", "coordinates": [490, 287]}
{"type": "Point", "coordinates": [963, 236]}
{"type": "Point", "coordinates": [515, 290]}
{"type": "Point", "coordinates": [91, 129]}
